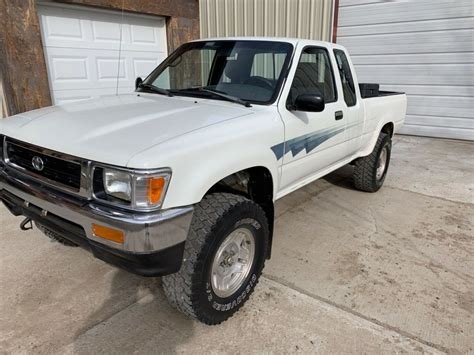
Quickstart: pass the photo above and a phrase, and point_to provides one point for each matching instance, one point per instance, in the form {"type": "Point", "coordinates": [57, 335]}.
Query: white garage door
{"type": "Point", "coordinates": [424, 48]}
{"type": "Point", "coordinates": [82, 50]}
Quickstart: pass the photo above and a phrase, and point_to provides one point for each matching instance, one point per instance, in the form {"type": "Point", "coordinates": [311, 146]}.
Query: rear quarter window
{"type": "Point", "coordinates": [347, 80]}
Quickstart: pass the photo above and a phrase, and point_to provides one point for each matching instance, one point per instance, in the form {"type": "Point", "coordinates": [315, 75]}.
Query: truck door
{"type": "Point", "coordinates": [314, 141]}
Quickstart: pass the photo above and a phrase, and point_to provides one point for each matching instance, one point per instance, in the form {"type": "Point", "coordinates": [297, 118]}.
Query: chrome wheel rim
{"type": "Point", "coordinates": [382, 163]}
{"type": "Point", "coordinates": [233, 262]}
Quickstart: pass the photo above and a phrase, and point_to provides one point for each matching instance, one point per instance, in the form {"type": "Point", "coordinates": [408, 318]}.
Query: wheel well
{"type": "Point", "coordinates": [257, 185]}
{"type": "Point", "coordinates": [388, 129]}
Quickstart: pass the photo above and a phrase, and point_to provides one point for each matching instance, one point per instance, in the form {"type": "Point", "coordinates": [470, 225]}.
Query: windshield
{"type": "Point", "coordinates": [249, 71]}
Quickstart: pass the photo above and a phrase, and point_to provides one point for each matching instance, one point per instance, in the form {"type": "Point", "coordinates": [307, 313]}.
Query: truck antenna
{"type": "Point", "coordinates": [120, 52]}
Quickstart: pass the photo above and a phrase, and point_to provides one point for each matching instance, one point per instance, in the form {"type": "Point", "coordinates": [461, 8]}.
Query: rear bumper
{"type": "Point", "coordinates": [154, 241]}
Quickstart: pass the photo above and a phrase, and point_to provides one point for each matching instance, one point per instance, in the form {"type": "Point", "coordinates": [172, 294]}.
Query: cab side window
{"type": "Point", "coordinates": [346, 78]}
{"type": "Point", "coordinates": [314, 76]}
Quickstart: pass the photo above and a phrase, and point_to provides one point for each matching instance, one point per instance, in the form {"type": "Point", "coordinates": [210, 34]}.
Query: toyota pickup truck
{"type": "Point", "coordinates": [179, 178]}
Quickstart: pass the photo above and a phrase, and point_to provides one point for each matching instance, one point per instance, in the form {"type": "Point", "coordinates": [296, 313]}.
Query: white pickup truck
{"type": "Point", "coordinates": [179, 178]}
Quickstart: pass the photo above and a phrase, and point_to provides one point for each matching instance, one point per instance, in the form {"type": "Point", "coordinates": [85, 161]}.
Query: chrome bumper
{"type": "Point", "coordinates": [145, 232]}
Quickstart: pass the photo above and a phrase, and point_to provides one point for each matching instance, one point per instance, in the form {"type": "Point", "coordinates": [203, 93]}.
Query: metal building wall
{"type": "Point", "coordinates": [422, 47]}
{"type": "Point", "coordinates": [310, 19]}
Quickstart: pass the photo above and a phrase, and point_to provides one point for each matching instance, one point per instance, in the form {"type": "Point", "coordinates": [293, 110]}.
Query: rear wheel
{"type": "Point", "coordinates": [370, 171]}
{"type": "Point", "coordinates": [223, 258]}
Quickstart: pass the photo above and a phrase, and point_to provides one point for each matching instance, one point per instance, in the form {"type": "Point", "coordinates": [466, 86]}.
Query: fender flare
{"type": "Point", "coordinates": [373, 140]}
{"type": "Point", "coordinates": [225, 172]}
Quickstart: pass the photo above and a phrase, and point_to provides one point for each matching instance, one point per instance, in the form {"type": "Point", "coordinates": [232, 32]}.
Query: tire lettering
{"type": "Point", "coordinates": [228, 306]}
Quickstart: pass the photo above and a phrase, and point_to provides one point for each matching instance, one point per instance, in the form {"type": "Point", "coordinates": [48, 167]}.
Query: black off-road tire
{"type": "Point", "coordinates": [54, 236]}
{"type": "Point", "coordinates": [215, 217]}
{"type": "Point", "coordinates": [365, 169]}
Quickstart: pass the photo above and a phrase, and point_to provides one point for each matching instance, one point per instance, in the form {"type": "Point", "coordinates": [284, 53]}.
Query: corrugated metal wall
{"type": "Point", "coordinates": [284, 18]}
{"type": "Point", "coordinates": [422, 47]}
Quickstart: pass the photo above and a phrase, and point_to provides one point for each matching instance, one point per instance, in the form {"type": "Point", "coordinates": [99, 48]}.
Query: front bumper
{"type": "Point", "coordinates": [154, 241]}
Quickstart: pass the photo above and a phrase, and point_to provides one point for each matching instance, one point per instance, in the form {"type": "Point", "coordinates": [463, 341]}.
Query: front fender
{"type": "Point", "coordinates": [202, 158]}
{"type": "Point", "coordinates": [190, 188]}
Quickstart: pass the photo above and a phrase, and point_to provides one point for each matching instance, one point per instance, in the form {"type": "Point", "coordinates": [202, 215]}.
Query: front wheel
{"type": "Point", "coordinates": [223, 258]}
{"type": "Point", "coordinates": [370, 171]}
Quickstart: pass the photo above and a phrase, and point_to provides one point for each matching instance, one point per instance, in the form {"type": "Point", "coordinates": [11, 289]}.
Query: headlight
{"type": "Point", "coordinates": [141, 190]}
{"type": "Point", "coordinates": [118, 184]}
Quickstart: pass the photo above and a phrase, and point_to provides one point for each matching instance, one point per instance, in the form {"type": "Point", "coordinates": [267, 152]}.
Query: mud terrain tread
{"type": "Point", "coordinates": [364, 169]}
{"type": "Point", "coordinates": [180, 287]}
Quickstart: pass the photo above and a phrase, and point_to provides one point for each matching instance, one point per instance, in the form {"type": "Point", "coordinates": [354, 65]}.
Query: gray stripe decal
{"type": "Point", "coordinates": [278, 150]}
{"type": "Point", "coordinates": [307, 142]}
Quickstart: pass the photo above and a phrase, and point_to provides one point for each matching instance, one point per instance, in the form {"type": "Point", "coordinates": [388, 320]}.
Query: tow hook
{"type": "Point", "coordinates": [26, 224]}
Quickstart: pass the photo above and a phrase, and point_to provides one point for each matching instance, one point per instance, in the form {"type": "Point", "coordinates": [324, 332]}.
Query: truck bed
{"type": "Point", "coordinates": [385, 107]}
{"type": "Point", "coordinates": [372, 90]}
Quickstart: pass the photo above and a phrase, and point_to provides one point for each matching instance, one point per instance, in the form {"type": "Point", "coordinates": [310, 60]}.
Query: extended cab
{"type": "Point", "coordinates": [179, 178]}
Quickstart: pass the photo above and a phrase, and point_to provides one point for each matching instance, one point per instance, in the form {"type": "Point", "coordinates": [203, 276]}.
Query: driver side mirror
{"type": "Point", "coordinates": [138, 82]}
{"type": "Point", "coordinates": [309, 103]}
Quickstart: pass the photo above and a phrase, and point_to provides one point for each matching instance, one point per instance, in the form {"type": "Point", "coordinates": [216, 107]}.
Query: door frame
{"type": "Point", "coordinates": [282, 107]}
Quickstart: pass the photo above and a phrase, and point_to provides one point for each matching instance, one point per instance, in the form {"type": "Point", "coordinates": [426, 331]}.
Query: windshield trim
{"type": "Point", "coordinates": [279, 85]}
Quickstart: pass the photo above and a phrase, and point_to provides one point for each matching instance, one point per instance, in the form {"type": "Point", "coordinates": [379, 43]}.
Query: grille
{"type": "Point", "coordinates": [65, 172]}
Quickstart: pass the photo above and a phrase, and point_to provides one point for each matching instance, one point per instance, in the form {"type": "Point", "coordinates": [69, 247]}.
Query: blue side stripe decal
{"type": "Point", "coordinates": [278, 150]}
{"type": "Point", "coordinates": [307, 142]}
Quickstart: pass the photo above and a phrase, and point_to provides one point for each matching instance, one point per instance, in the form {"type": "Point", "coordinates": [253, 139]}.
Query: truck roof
{"type": "Point", "coordinates": [293, 41]}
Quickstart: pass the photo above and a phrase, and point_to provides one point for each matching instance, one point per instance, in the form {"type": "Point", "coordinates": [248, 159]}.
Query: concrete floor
{"type": "Point", "coordinates": [351, 272]}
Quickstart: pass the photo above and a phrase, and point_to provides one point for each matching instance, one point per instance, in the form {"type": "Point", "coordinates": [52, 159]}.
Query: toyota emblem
{"type": "Point", "coordinates": [37, 163]}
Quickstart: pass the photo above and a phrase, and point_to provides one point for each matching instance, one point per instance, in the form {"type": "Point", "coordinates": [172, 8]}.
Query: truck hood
{"type": "Point", "coordinates": [113, 129]}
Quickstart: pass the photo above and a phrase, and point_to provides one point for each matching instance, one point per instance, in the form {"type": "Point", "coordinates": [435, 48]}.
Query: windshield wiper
{"type": "Point", "coordinates": [227, 97]}
{"type": "Point", "coordinates": [156, 89]}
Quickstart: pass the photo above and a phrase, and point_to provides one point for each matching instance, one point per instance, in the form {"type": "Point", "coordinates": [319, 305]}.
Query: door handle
{"type": "Point", "coordinates": [338, 115]}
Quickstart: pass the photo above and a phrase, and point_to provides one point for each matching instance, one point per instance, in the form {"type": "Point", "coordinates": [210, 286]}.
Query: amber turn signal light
{"type": "Point", "coordinates": [108, 233]}
{"type": "Point", "coordinates": [155, 189]}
